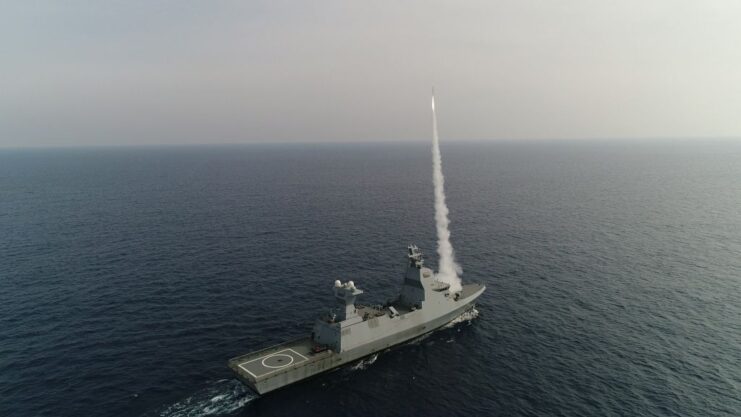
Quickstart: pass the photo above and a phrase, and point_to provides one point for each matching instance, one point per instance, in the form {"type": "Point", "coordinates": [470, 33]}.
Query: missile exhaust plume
{"type": "Point", "coordinates": [448, 269]}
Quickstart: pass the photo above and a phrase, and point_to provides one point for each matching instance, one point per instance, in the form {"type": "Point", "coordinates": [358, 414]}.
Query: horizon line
{"type": "Point", "coordinates": [360, 142]}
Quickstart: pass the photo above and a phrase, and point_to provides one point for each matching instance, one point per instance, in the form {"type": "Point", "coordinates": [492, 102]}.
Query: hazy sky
{"type": "Point", "coordinates": [118, 72]}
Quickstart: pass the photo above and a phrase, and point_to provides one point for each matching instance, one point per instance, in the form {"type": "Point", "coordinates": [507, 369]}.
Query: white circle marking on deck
{"type": "Point", "coordinates": [273, 356]}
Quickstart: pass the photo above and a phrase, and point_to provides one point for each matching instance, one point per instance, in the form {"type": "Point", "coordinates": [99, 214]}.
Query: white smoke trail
{"type": "Point", "coordinates": [448, 270]}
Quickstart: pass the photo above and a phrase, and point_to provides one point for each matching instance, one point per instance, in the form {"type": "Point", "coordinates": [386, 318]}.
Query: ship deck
{"type": "Point", "coordinates": [264, 363]}
{"type": "Point", "coordinates": [471, 289]}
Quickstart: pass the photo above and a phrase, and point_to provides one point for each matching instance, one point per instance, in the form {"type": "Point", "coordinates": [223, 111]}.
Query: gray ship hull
{"type": "Point", "coordinates": [278, 366]}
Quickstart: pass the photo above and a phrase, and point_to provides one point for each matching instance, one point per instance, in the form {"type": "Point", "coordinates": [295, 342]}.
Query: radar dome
{"type": "Point", "coordinates": [337, 283]}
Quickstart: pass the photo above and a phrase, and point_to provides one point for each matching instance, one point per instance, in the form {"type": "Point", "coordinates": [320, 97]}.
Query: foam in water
{"type": "Point", "coordinates": [468, 315]}
{"type": "Point", "coordinates": [365, 363]}
{"type": "Point", "coordinates": [223, 397]}
{"type": "Point", "coordinates": [448, 270]}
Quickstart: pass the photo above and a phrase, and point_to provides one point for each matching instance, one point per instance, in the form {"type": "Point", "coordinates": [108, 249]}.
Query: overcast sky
{"type": "Point", "coordinates": [136, 72]}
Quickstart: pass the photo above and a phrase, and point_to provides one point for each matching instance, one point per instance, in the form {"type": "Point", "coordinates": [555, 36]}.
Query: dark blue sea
{"type": "Point", "coordinates": [129, 276]}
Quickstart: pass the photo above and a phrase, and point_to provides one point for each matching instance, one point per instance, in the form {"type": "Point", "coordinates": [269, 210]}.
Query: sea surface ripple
{"type": "Point", "coordinates": [129, 276]}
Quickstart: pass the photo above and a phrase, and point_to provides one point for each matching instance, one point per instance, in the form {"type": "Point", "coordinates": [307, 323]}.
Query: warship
{"type": "Point", "coordinates": [351, 331]}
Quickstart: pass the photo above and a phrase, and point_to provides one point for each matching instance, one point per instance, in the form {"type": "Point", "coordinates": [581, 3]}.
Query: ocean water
{"type": "Point", "coordinates": [129, 276]}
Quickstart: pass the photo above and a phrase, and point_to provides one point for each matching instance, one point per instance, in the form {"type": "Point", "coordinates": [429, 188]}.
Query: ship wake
{"type": "Point", "coordinates": [467, 317]}
{"type": "Point", "coordinates": [365, 363]}
{"type": "Point", "coordinates": [221, 398]}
